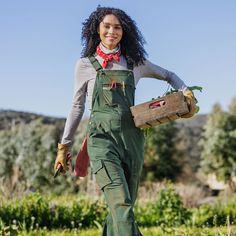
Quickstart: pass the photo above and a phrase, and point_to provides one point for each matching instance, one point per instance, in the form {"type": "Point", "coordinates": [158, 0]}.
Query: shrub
{"type": "Point", "coordinates": [27, 210]}
{"type": "Point", "coordinates": [214, 215]}
{"type": "Point", "coordinates": [36, 211]}
{"type": "Point", "coordinates": [168, 210]}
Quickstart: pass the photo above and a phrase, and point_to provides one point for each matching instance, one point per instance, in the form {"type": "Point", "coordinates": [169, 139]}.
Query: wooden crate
{"type": "Point", "coordinates": [159, 111]}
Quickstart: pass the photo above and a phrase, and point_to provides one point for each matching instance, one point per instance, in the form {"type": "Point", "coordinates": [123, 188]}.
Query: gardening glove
{"type": "Point", "coordinates": [191, 102]}
{"type": "Point", "coordinates": [63, 157]}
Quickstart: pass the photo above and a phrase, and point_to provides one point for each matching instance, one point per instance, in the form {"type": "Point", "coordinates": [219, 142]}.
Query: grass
{"type": "Point", "coordinates": [153, 231]}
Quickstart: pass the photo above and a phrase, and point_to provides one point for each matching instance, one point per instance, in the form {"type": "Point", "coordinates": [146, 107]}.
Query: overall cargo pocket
{"type": "Point", "coordinates": [101, 174]}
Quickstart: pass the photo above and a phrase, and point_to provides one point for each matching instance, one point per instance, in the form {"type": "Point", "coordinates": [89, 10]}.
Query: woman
{"type": "Point", "coordinates": [113, 61]}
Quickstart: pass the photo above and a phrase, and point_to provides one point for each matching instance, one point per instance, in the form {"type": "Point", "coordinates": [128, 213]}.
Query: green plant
{"type": "Point", "coordinates": [218, 214]}
{"type": "Point", "coordinates": [168, 210]}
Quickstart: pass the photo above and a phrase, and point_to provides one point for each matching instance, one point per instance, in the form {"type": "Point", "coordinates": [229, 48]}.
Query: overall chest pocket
{"type": "Point", "coordinates": [115, 93]}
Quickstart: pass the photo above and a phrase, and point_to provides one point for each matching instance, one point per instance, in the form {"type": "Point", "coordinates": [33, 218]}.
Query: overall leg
{"type": "Point", "coordinates": [112, 181]}
{"type": "Point", "coordinates": [133, 165]}
{"type": "Point", "coordinates": [133, 139]}
{"type": "Point", "coordinates": [132, 179]}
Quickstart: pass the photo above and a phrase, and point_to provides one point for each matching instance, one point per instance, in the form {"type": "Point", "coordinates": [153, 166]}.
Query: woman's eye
{"type": "Point", "coordinates": [110, 26]}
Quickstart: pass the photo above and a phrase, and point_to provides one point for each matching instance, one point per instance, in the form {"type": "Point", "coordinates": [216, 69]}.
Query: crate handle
{"type": "Point", "coordinates": [157, 104]}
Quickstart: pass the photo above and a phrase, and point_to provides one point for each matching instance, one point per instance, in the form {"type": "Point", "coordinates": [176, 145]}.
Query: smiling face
{"type": "Point", "coordinates": [110, 31]}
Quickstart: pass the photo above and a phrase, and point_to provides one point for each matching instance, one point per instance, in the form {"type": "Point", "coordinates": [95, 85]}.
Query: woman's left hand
{"type": "Point", "coordinates": [191, 101]}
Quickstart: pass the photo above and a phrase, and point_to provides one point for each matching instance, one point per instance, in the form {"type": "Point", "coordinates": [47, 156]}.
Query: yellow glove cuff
{"type": "Point", "coordinates": [63, 147]}
{"type": "Point", "coordinates": [188, 93]}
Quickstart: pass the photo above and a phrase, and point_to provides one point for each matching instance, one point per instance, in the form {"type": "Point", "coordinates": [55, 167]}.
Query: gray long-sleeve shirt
{"type": "Point", "coordinates": [85, 76]}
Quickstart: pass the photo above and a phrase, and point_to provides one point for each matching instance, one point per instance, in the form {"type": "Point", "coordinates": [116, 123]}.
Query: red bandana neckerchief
{"type": "Point", "coordinates": [107, 57]}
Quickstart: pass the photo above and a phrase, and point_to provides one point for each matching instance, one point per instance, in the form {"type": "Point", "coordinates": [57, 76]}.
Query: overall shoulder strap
{"type": "Point", "coordinates": [95, 63]}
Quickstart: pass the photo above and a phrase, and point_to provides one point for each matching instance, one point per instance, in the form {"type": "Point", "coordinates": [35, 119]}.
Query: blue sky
{"type": "Point", "coordinates": [40, 44]}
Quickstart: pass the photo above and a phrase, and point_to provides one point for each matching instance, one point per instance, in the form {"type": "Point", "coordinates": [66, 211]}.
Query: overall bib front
{"type": "Point", "coordinates": [115, 147]}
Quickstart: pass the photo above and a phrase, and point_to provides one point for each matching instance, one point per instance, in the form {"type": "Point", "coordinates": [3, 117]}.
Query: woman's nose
{"type": "Point", "coordinates": [111, 30]}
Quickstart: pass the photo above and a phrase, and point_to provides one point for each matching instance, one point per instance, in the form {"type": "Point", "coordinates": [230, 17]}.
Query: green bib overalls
{"type": "Point", "coordinates": [115, 147]}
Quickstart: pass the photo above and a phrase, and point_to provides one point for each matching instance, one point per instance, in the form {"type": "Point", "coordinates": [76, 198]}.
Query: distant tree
{"type": "Point", "coordinates": [8, 154]}
{"type": "Point", "coordinates": [27, 155]}
{"type": "Point", "coordinates": [219, 143]}
{"type": "Point", "coordinates": [232, 106]}
{"type": "Point", "coordinates": [210, 139]}
{"type": "Point", "coordinates": [37, 153]}
{"type": "Point", "coordinates": [159, 160]}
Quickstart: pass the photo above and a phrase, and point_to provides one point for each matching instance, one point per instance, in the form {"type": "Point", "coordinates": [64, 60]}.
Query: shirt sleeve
{"type": "Point", "coordinates": [151, 70]}
{"type": "Point", "coordinates": [78, 103]}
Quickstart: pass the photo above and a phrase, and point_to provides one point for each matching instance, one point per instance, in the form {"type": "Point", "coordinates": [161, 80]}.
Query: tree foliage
{"type": "Point", "coordinates": [159, 160]}
{"type": "Point", "coordinates": [219, 143]}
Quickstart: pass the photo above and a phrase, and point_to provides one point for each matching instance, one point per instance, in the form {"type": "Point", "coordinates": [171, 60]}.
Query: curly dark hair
{"type": "Point", "coordinates": [132, 40]}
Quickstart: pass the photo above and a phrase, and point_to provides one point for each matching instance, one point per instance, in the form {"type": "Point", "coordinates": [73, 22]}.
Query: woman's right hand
{"type": "Point", "coordinates": [63, 156]}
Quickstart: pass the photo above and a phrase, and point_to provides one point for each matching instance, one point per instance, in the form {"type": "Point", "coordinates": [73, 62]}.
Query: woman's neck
{"type": "Point", "coordinates": [107, 50]}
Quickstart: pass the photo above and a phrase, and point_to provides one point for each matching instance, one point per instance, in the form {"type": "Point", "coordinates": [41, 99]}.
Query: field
{"type": "Point", "coordinates": [40, 215]}
{"type": "Point", "coordinates": [152, 231]}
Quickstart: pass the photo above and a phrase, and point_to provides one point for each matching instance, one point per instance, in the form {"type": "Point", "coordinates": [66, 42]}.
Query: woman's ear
{"type": "Point", "coordinates": [98, 30]}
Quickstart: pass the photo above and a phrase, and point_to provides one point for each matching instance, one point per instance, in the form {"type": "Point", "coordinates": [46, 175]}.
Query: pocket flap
{"type": "Point", "coordinates": [102, 177]}
{"type": "Point", "coordinates": [96, 166]}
